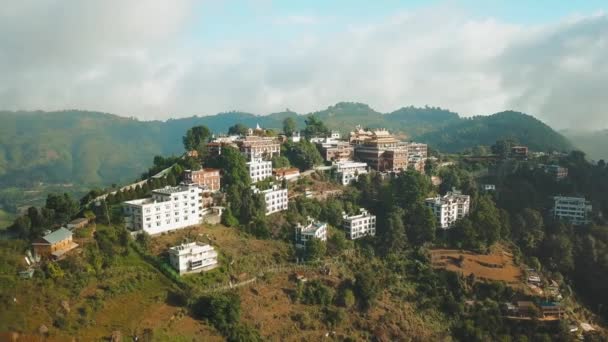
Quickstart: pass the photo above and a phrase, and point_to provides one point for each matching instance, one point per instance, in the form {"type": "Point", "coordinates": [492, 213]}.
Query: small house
{"type": "Point", "coordinates": [78, 223]}
{"type": "Point", "coordinates": [55, 245]}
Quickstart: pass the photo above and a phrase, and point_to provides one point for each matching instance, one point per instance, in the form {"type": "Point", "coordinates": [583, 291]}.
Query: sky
{"type": "Point", "coordinates": [154, 59]}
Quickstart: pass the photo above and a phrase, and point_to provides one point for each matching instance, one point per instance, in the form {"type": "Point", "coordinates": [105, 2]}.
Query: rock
{"type": "Point", "coordinates": [43, 329]}
{"type": "Point", "coordinates": [116, 336]}
{"type": "Point", "coordinates": [65, 305]}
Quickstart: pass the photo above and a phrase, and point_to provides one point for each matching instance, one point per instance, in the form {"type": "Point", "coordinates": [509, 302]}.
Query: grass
{"type": "Point", "coordinates": [6, 219]}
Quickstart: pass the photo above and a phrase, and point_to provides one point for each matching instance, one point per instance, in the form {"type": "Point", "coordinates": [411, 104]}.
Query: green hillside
{"type": "Point", "coordinates": [90, 148]}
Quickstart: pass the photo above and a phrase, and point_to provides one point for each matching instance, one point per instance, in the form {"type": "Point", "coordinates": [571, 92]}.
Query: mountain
{"type": "Point", "coordinates": [485, 130]}
{"type": "Point", "coordinates": [91, 148]}
{"type": "Point", "coordinates": [595, 144]}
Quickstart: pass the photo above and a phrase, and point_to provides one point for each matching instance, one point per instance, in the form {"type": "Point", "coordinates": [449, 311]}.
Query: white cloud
{"type": "Point", "coordinates": [130, 58]}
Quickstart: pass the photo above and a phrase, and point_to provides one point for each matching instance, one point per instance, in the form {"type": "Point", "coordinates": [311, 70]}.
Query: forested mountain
{"type": "Point", "coordinates": [98, 149]}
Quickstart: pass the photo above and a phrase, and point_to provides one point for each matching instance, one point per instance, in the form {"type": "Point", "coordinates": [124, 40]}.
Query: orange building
{"type": "Point", "coordinates": [55, 244]}
{"type": "Point", "coordinates": [209, 178]}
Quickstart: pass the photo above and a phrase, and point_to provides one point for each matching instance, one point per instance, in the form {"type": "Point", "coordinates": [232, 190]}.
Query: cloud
{"type": "Point", "coordinates": [140, 58]}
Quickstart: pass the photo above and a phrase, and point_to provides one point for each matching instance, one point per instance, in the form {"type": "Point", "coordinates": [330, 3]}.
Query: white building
{"type": "Point", "coordinates": [259, 169]}
{"type": "Point", "coordinates": [334, 135]}
{"type": "Point", "coordinates": [575, 210]}
{"type": "Point", "coordinates": [313, 230]}
{"type": "Point", "coordinates": [348, 171]}
{"type": "Point", "coordinates": [168, 209]}
{"type": "Point", "coordinates": [295, 137]}
{"type": "Point", "coordinates": [357, 226]}
{"type": "Point", "coordinates": [192, 257]}
{"type": "Point", "coordinates": [488, 187]}
{"type": "Point", "coordinates": [449, 208]}
{"type": "Point", "coordinates": [276, 198]}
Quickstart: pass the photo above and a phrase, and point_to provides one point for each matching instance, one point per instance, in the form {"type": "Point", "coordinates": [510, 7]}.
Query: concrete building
{"type": "Point", "coordinates": [295, 137]}
{"type": "Point", "coordinates": [276, 199]}
{"type": "Point", "coordinates": [348, 171]}
{"type": "Point", "coordinates": [449, 208]}
{"type": "Point", "coordinates": [519, 152]}
{"type": "Point", "coordinates": [381, 151]}
{"type": "Point", "coordinates": [287, 173]}
{"type": "Point", "coordinates": [312, 230]}
{"type": "Point", "coordinates": [488, 187]}
{"type": "Point", "coordinates": [417, 154]}
{"type": "Point", "coordinates": [208, 179]}
{"type": "Point", "coordinates": [259, 147]}
{"type": "Point", "coordinates": [193, 257]}
{"type": "Point", "coordinates": [168, 209]}
{"type": "Point", "coordinates": [360, 225]}
{"type": "Point", "coordinates": [54, 245]}
{"type": "Point", "coordinates": [556, 171]}
{"type": "Point", "coordinates": [575, 210]}
{"type": "Point", "coordinates": [333, 150]}
{"type": "Point", "coordinates": [259, 169]}
{"type": "Point", "coordinates": [78, 223]}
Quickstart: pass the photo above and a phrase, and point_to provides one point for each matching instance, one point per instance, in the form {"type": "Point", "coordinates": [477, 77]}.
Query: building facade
{"type": "Point", "coordinates": [556, 171]}
{"type": "Point", "coordinates": [54, 245]}
{"type": "Point", "coordinates": [360, 225]}
{"type": "Point", "coordinates": [349, 171]}
{"type": "Point", "coordinates": [192, 257]}
{"type": "Point", "coordinates": [576, 210]}
{"type": "Point", "coordinates": [287, 173]}
{"type": "Point", "coordinates": [381, 151]}
{"type": "Point", "coordinates": [312, 230]}
{"type": "Point", "coordinates": [259, 169]}
{"type": "Point", "coordinates": [259, 147]}
{"type": "Point", "coordinates": [333, 151]}
{"type": "Point", "coordinates": [208, 179]}
{"type": "Point", "coordinates": [276, 199]}
{"type": "Point", "coordinates": [449, 208]}
{"type": "Point", "coordinates": [168, 209]}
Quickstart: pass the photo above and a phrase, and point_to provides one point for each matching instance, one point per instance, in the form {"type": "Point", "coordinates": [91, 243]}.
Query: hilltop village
{"type": "Point", "coordinates": [256, 234]}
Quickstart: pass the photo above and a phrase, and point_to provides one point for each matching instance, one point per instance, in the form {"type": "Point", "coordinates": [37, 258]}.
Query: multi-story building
{"type": "Point", "coordinates": [192, 257]}
{"type": "Point", "coordinates": [360, 225]}
{"type": "Point", "coordinates": [259, 169]}
{"type": "Point", "coordinates": [276, 198]}
{"type": "Point", "coordinates": [168, 209]}
{"type": "Point", "coordinates": [259, 147]}
{"type": "Point", "coordinates": [312, 230]}
{"type": "Point", "coordinates": [348, 171]}
{"type": "Point", "coordinates": [417, 154]}
{"type": "Point", "coordinates": [556, 171]}
{"type": "Point", "coordinates": [381, 151]}
{"type": "Point", "coordinates": [208, 179]}
{"type": "Point", "coordinates": [287, 173]}
{"type": "Point", "coordinates": [334, 150]}
{"type": "Point", "coordinates": [575, 210]}
{"type": "Point", "coordinates": [449, 208]}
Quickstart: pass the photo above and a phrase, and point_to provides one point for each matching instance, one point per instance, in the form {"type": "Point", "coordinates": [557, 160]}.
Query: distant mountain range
{"type": "Point", "coordinates": [94, 148]}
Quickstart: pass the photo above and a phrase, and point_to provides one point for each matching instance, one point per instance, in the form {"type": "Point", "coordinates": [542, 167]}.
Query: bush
{"type": "Point", "coordinates": [315, 292]}
{"type": "Point", "coordinates": [221, 310]}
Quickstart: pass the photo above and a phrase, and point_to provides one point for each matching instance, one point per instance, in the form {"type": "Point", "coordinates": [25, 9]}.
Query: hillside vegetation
{"type": "Point", "coordinates": [90, 148]}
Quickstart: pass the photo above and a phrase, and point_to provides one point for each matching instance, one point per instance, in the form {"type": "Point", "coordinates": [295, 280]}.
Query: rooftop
{"type": "Point", "coordinates": [57, 236]}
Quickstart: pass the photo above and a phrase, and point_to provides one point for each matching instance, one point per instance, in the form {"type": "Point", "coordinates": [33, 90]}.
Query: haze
{"type": "Point", "coordinates": [162, 59]}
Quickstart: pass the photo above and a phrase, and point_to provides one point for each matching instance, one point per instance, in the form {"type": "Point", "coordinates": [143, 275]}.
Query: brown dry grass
{"type": "Point", "coordinates": [497, 265]}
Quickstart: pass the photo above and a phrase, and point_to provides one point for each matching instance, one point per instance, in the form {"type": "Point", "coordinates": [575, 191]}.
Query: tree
{"type": "Point", "coordinates": [315, 249]}
{"type": "Point", "coordinates": [221, 310]}
{"type": "Point", "coordinates": [303, 154]}
{"type": "Point", "coordinates": [315, 292]}
{"type": "Point", "coordinates": [196, 138]}
{"type": "Point", "coordinates": [144, 240]}
{"type": "Point", "coordinates": [347, 298]}
{"type": "Point", "coordinates": [63, 207]}
{"type": "Point", "coordinates": [280, 162]}
{"type": "Point", "coordinates": [503, 147]}
{"type": "Point", "coordinates": [420, 224]}
{"type": "Point", "coordinates": [228, 218]}
{"type": "Point", "coordinates": [314, 127]}
{"type": "Point", "coordinates": [233, 165]}
{"type": "Point", "coordinates": [367, 287]}
{"type": "Point", "coordinates": [289, 126]}
{"type": "Point", "coordinates": [390, 232]}
{"type": "Point", "coordinates": [238, 129]}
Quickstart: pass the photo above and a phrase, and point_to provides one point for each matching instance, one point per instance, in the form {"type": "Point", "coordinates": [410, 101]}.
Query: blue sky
{"type": "Point", "coordinates": [156, 59]}
{"type": "Point", "coordinates": [229, 19]}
